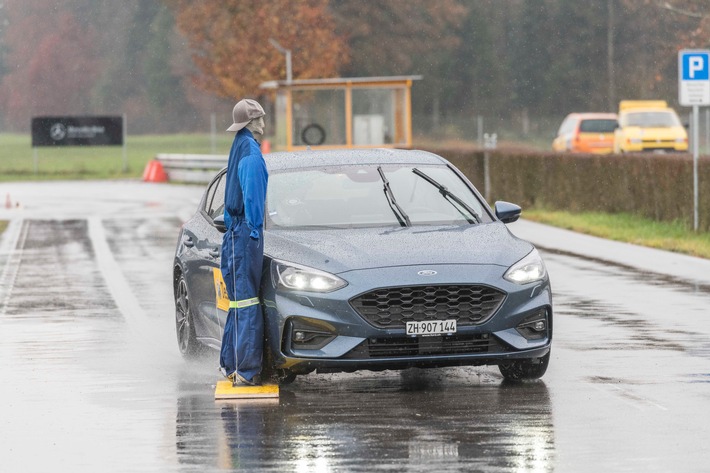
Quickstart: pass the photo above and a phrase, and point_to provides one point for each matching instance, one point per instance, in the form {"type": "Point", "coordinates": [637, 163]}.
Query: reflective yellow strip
{"type": "Point", "coordinates": [243, 303]}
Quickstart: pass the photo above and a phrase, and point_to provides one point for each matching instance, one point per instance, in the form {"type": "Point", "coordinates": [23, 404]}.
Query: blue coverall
{"type": "Point", "coordinates": [242, 256]}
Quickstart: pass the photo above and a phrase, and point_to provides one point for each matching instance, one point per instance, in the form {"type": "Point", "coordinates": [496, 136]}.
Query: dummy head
{"type": "Point", "coordinates": [256, 126]}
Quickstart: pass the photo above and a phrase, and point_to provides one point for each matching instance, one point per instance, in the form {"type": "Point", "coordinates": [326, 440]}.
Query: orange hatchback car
{"type": "Point", "coordinates": [586, 133]}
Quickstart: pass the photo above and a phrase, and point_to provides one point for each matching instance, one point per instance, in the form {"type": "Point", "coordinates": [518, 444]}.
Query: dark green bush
{"type": "Point", "coordinates": [656, 186]}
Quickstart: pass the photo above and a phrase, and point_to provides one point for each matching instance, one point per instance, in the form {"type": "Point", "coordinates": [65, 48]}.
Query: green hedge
{"type": "Point", "coordinates": [656, 186]}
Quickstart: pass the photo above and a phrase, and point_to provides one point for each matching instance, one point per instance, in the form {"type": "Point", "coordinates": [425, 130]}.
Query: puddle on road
{"type": "Point", "coordinates": [645, 334]}
{"type": "Point", "coordinates": [416, 420]}
{"type": "Point", "coordinates": [636, 275]}
{"type": "Point", "coordinates": [57, 272]}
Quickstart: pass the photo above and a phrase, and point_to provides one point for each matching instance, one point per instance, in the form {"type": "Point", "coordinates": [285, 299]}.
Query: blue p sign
{"type": "Point", "coordinates": [695, 66]}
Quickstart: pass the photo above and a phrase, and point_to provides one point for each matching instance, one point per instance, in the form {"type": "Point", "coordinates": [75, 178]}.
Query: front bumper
{"type": "Point", "coordinates": [344, 341]}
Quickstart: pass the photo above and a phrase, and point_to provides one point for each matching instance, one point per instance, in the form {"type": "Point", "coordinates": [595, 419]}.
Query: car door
{"type": "Point", "coordinates": [216, 311]}
{"type": "Point", "coordinates": [206, 290]}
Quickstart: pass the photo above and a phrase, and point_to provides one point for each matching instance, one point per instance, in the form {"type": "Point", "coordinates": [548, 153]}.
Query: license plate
{"type": "Point", "coordinates": [431, 327]}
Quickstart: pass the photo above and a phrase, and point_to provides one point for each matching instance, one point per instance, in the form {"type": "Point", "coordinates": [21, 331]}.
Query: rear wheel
{"type": "Point", "coordinates": [518, 370]}
{"type": "Point", "coordinates": [184, 325]}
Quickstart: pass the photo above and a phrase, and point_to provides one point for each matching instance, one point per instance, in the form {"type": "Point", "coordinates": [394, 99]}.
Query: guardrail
{"type": "Point", "coordinates": [197, 168]}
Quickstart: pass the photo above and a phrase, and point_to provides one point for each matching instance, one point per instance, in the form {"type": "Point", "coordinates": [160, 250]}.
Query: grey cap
{"type": "Point", "coordinates": [245, 111]}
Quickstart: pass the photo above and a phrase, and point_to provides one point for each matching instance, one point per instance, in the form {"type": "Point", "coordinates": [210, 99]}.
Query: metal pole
{"type": "Point", "coordinates": [213, 132]}
{"type": "Point", "coordinates": [35, 159]}
{"type": "Point", "coordinates": [610, 53]}
{"type": "Point", "coordinates": [287, 53]}
{"type": "Point", "coordinates": [695, 168]}
{"type": "Point", "coordinates": [125, 155]}
{"type": "Point", "coordinates": [289, 74]}
{"type": "Point", "coordinates": [486, 176]}
{"type": "Point", "coordinates": [480, 131]}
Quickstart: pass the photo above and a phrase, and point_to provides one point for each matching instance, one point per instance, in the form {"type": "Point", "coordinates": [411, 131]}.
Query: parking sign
{"type": "Point", "coordinates": [693, 77]}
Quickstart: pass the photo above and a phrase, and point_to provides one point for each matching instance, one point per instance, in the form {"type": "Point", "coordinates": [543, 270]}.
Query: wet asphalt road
{"type": "Point", "coordinates": [91, 379]}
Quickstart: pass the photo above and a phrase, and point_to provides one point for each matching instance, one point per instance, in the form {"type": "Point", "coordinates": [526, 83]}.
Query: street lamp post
{"type": "Point", "coordinates": [287, 53]}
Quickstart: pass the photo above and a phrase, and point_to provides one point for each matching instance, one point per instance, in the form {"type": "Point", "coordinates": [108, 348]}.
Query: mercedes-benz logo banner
{"type": "Point", "coordinates": [77, 131]}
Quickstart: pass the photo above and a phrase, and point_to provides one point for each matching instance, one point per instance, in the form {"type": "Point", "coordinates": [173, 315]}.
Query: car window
{"type": "Point", "coordinates": [354, 196]}
{"type": "Point", "coordinates": [597, 126]}
{"type": "Point", "coordinates": [215, 198]}
{"type": "Point", "coordinates": [652, 119]}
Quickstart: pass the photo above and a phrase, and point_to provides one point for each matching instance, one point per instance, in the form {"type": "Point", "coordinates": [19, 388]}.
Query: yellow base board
{"type": "Point", "coordinates": [225, 390]}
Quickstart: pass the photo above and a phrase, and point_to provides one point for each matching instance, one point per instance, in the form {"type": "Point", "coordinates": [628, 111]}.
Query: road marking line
{"type": "Point", "coordinates": [14, 246]}
{"type": "Point", "coordinates": [115, 281]}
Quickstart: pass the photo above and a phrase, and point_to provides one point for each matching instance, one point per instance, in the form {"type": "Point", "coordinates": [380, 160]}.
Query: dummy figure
{"type": "Point", "coordinates": [243, 247]}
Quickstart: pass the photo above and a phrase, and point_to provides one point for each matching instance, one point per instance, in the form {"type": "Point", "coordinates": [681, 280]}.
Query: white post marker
{"type": "Point", "coordinates": [694, 91]}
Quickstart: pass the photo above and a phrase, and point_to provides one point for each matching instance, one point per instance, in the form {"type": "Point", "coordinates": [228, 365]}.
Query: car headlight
{"type": "Point", "coordinates": [527, 270]}
{"type": "Point", "coordinates": [294, 277]}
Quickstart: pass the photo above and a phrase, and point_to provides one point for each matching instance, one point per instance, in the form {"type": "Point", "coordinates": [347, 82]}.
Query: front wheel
{"type": "Point", "coordinates": [518, 370]}
{"type": "Point", "coordinates": [184, 326]}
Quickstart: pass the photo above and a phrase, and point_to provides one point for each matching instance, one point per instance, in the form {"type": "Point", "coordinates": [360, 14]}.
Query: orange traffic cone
{"type": "Point", "coordinates": [154, 172]}
{"type": "Point", "coordinates": [266, 146]}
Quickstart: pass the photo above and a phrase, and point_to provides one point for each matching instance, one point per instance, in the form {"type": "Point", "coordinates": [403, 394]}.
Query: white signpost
{"type": "Point", "coordinates": [694, 91]}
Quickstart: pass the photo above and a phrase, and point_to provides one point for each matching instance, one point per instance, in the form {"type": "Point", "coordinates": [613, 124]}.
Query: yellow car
{"type": "Point", "coordinates": [649, 125]}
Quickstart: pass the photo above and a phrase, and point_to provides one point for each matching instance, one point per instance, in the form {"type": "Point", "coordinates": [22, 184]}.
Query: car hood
{"type": "Point", "coordinates": [339, 250]}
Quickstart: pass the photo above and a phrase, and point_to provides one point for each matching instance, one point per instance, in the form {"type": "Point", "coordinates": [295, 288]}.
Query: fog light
{"type": "Point", "coordinates": [310, 334]}
{"type": "Point", "coordinates": [534, 326]}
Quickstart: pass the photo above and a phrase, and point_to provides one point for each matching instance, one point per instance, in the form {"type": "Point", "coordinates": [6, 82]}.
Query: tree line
{"type": "Point", "coordinates": [169, 64]}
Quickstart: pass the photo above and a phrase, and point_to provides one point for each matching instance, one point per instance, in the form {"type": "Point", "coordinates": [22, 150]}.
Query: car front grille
{"type": "Point", "coordinates": [417, 346]}
{"type": "Point", "coordinates": [393, 307]}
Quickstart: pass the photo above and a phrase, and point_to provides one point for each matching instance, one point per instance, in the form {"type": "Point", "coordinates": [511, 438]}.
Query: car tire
{"type": "Point", "coordinates": [282, 377]}
{"type": "Point", "coordinates": [188, 345]}
{"type": "Point", "coordinates": [518, 370]}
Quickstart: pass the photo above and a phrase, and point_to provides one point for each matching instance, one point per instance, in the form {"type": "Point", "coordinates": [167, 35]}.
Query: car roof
{"type": "Point", "coordinates": [630, 111]}
{"type": "Point", "coordinates": [594, 115]}
{"type": "Point", "coordinates": [338, 157]}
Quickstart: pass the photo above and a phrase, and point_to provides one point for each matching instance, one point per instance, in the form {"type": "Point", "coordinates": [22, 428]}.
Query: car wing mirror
{"type": "Point", "coordinates": [218, 223]}
{"type": "Point", "coordinates": [507, 212]}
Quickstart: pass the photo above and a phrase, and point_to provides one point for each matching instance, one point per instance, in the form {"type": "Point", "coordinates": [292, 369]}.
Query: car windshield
{"type": "Point", "coordinates": [597, 126]}
{"type": "Point", "coordinates": [652, 119]}
{"type": "Point", "coordinates": [355, 196]}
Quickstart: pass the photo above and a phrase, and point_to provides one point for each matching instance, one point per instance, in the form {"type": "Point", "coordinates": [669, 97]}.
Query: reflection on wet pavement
{"type": "Point", "coordinates": [445, 420]}
{"type": "Point", "coordinates": [92, 379]}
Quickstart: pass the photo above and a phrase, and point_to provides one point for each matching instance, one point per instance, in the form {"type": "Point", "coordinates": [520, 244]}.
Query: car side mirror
{"type": "Point", "coordinates": [218, 222]}
{"type": "Point", "coordinates": [507, 212]}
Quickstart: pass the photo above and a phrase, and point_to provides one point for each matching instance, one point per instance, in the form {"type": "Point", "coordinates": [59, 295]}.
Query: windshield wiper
{"type": "Point", "coordinates": [450, 195]}
{"type": "Point", "coordinates": [402, 217]}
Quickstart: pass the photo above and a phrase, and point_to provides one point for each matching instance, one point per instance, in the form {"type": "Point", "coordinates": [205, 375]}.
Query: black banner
{"type": "Point", "coordinates": [77, 131]}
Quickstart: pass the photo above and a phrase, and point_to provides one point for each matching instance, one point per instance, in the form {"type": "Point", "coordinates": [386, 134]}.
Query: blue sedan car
{"type": "Point", "coordinates": [374, 259]}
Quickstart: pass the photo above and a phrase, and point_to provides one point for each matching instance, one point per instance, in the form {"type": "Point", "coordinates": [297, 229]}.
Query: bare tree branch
{"type": "Point", "coordinates": [680, 11]}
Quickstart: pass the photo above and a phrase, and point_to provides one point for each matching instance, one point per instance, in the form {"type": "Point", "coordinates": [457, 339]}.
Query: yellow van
{"type": "Point", "coordinates": [649, 125]}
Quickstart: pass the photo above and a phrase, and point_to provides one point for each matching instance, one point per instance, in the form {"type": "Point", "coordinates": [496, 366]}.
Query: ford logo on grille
{"type": "Point", "coordinates": [427, 272]}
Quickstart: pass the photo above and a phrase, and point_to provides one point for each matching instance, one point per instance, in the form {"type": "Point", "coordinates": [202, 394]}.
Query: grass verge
{"type": "Point", "coordinates": [18, 161]}
{"type": "Point", "coordinates": [673, 236]}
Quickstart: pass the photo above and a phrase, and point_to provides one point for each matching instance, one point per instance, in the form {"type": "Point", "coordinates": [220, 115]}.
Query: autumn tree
{"type": "Point", "coordinates": [52, 73]}
{"type": "Point", "coordinates": [230, 43]}
{"type": "Point", "coordinates": [394, 37]}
